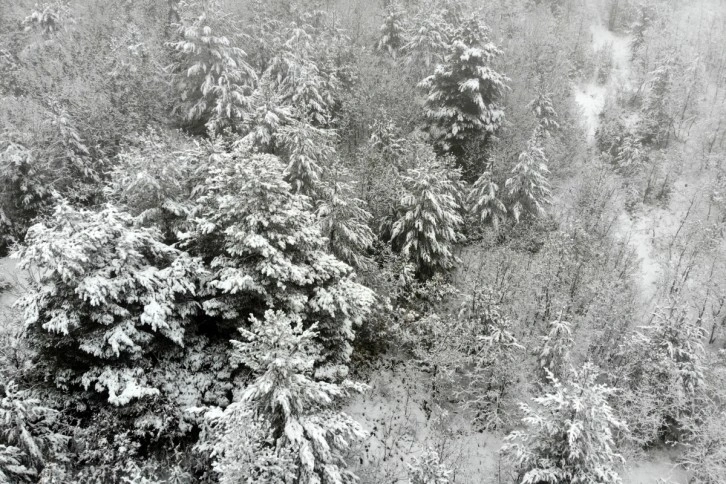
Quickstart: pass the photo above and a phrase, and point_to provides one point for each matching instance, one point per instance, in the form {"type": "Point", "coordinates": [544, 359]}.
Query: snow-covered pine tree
{"type": "Point", "coordinates": [553, 353]}
{"type": "Point", "coordinates": [27, 435]}
{"type": "Point", "coordinates": [491, 353]}
{"type": "Point", "coordinates": [211, 76]}
{"type": "Point", "coordinates": [108, 294]}
{"type": "Point", "coordinates": [265, 249]}
{"type": "Point", "coordinates": [301, 411]}
{"type": "Point", "coordinates": [463, 94]}
{"type": "Point", "coordinates": [430, 217]}
{"type": "Point", "coordinates": [545, 113]}
{"type": "Point", "coordinates": [308, 151]}
{"type": "Point", "coordinates": [568, 435]}
{"type": "Point", "coordinates": [663, 374]}
{"type": "Point", "coordinates": [393, 31]}
{"type": "Point", "coordinates": [242, 448]}
{"type": "Point", "coordinates": [151, 179]}
{"type": "Point", "coordinates": [386, 141]}
{"type": "Point", "coordinates": [528, 189]}
{"type": "Point", "coordinates": [427, 42]}
{"type": "Point", "coordinates": [656, 120]}
{"type": "Point", "coordinates": [483, 202]}
{"type": "Point", "coordinates": [344, 221]}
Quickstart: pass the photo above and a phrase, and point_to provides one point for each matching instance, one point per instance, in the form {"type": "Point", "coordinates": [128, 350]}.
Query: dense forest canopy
{"type": "Point", "coordinates": [340, 241]}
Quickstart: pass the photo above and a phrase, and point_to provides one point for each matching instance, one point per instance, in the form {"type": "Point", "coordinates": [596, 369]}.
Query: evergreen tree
{"type": "Point", "coordinates": [430, 220]}
{"type": "Point", "coordinates": [663, 375]}
{"type": "Point", "coordinates": [568, 436]}
{"type": "Point", "coordinates": [300, 410]}
{"type": "Point", "coordinates": [211, 76]}
{"type": "Point", "coordinates": [344, 221]}
{"type": "Point", "coordinates": [656, 120]}
{"type": "Point", "coordinates": [264, 249]}
{"type": "Point", "coordinates": [309, 151]}
{"type": "Point", "coordinates": [428, 40]}
{"type": "Point", "coordinates": [28, 439]}
{"type": "Point", "coordinates": [463, 94]}
{"type": "Point", "coordinates": [483, 201]}
{"type": "Point", "coordinates": [545, 113]}
{"type": "Point", "coordinates": [491, 353]}
{"type": "Point", "coordinates": [554, 350]}
{"type": "Point", "coordinates": [392, 32]}
{"type": "Point", "coordinates": [528, 188]}
{"type": "Point", "coordinates": [109, 294]}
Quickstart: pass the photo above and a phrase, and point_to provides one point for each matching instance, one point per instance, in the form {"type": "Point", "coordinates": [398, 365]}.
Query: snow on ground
{"type": "Point", "coordinates": [8, 274]}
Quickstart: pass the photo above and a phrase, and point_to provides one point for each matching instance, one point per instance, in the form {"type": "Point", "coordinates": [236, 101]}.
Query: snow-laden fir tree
{"type": "Point", "coordinates": [264, 249]}
{"type": "Point", "coordinates": [484, 203]}
{"type": "Point", "coordinates": [545, 113]}
{"type": "Point", "coordinates": [108, 295]}
{"type": "Point", "coordinates": [568, 434]}
{"type": "Point", "coordinates": [298, 75]}
{"type": "Point", "coordinates": [213, 81]}
{"type": "Point", "coordinates": [663, 374]}
{"type": "Point", "coordinates": [386, 141]}
{"type": "Point", "coordinates": [491, 352]}
{"type": "Point", "coordinates": [393, 31]}
{"type": "Point", "coordinates": [528, 188]}
{"type": "Point", "coordinates": [150, 179]}
{"type": "Point", "coordinates": [28, 439]}
{"type": "Point", "coordinates": [430, 219]}
{"type": "Point", "coordinates": [427, 41]}
{"type": "Point", "coordinates": [344, 221]}
{"type": "Point", "coordinates": [464, 94]}
{"type": "Point", "coordinates": [300, 411]}
{"type": "Point", "coordinates": [656, 119]}
{"type": "Point", "coordinates": [308, 151]}
{"type": "Point", "coordinates": [242, 447]}
{"type": "Point", "coordinates": [553, 352]}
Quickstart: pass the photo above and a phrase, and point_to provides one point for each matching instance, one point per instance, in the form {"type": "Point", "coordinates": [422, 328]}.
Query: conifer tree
{"type": "Point", "coordinates": [656, 120]}
{"type": "Point", "coordinates": [430, 218]}
{"type": "Point", "coordinates": [463, 95]}
{"type": "Point", "coordinates": [27, 437]}
{"type": "Point", "coordinates": [211, 76]}
{"type": "Point", "coordinates": [553, 353]}
{"type": "Point", "coordinates": [392, 32]}
{"type": "Point", "coordinates": [528, 188]}
{"type": "Point", "coordinates": [301, 411]}
{"type": "Point", "coordinates": [427, 42]}
{"type": "Point", "coordinates": [484, 203]}
{"type": "Point", "coordinates": [109, 294]}
{"type": "Point", "coordinates": [545, 113]}
{"type": "Point", "coordinates": [344, 221]}
{"type": "Point", "coordinates": [568, 435]}
{"type": "Point", "coordinates": [264, 248]}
